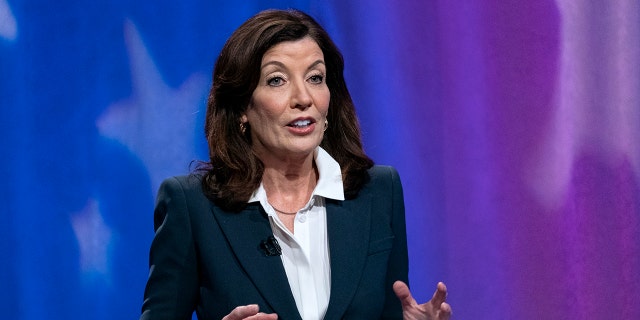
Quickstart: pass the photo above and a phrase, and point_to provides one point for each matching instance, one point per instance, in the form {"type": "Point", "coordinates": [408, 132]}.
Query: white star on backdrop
{"type": "Point", "coordinates": [8, 25]}
{"type": "Point", "coordinates": [94, 238]}
{"type": "Point", "coordinates": [157, 123]}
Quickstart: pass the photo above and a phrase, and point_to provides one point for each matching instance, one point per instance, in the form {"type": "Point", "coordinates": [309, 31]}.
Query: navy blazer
{"type": "Point", "coordinates": [209, 260]}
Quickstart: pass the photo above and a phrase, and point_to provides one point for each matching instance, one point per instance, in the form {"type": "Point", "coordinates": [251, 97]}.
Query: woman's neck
{"type": "Point", "coordinates": [289, 184]}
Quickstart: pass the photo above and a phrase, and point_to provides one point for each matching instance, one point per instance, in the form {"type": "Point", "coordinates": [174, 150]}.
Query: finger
{"type": "Point", "coordinates": [445, 311]}
{"type": "Point", "coordinates": [402, 292]}
{"type": "Point", "coordinates": [263, 316]}
{"type": "Point", "coordinates": [242, 312]}
{"type": "Point", "coordinates": [439, 296]}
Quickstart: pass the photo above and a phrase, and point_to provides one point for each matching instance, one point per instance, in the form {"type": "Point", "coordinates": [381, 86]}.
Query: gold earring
{"type": "Point", "coordinates": [243, 127]}
{"type": "Point", "coordinates": [326, 124]}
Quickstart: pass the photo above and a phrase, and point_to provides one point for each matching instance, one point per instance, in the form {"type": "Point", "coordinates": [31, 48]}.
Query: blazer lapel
{"type": "Point", "coordinates": [244, 231]}
{"type": "Point", "coordinates": [348, 224]}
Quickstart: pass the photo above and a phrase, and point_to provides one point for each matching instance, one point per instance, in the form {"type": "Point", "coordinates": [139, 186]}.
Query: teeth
{"type": "Point", "coordinates": [301, 123]}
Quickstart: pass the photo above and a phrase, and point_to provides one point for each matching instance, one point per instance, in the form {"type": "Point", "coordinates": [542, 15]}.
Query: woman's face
{"type": "Point", "coordinates": [289, 106]}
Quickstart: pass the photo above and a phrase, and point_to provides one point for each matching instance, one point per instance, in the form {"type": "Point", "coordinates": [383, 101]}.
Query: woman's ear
{"type": "Point", "coordinates": [243, 118]}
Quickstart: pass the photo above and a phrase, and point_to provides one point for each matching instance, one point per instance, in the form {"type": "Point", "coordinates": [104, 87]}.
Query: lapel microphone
{"type": "Point", "coordinates": [271, 247]}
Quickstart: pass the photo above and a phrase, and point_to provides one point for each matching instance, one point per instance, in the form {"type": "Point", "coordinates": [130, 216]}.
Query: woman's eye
{"type": "Point", "coordinates": [275, 81]}
{"type": "Point", "coordinates": [316, 79]}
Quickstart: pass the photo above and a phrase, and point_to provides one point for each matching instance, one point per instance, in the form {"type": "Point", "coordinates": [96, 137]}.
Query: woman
{"type": "Point", "coordinates": [289, 219]}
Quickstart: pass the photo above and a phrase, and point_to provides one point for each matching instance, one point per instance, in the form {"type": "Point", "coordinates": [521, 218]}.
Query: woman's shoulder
{"type": "Point", "coordinates": [383, 172]}
{"type": "Point", "coordinates": [189, 182]}
{"type": "Point", "coordinates": [190, 186]}
{"type": "Point", "coordinates": [382, 177]}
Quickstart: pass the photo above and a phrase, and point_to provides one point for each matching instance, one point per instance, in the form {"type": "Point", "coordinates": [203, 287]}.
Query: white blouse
{"type": "Point", "coordinates": [305, 254]}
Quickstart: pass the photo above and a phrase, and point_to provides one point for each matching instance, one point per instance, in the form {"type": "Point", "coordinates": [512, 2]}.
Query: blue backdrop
{"type": "Point", "coordinates": [100, 102]}
{"type": "Point", "coordinates": [513, 125]}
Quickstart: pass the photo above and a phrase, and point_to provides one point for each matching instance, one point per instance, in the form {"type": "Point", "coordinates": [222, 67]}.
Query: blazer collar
{"type": "Point", "coordinates": [348, 225]}
{"type": "Point", "coordinates": [245, 231]}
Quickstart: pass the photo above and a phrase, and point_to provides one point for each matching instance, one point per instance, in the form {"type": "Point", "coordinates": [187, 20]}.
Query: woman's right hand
{"type": "Point", "coordinates": [249, 312]}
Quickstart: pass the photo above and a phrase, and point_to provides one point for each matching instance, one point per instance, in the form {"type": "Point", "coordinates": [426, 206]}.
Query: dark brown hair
{"type": "Point", "coordinates": [234, 172]}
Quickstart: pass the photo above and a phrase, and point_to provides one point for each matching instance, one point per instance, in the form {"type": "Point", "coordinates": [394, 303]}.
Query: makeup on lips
{"type": "Point", "coordinates": [301, 126]}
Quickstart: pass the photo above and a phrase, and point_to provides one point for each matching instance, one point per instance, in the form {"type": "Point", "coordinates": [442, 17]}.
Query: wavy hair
{"type": "Point", "coordinates": [234, 172]}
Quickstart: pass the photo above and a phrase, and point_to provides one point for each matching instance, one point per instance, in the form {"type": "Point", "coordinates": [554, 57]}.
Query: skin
{"type": "Point", "coordinates": [292, 87]}
{"type": "Point", "coordinates": [249, 312]}
{"type": "Point", "coordinates": [434, 309]}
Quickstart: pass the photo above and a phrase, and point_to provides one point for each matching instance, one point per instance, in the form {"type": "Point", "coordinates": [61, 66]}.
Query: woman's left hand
{"type": "Point", "coordinates": [435, 309]}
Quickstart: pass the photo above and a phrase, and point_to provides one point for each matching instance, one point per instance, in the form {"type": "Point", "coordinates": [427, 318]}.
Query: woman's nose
{"type": "Point", "coordinates": [300, 97]}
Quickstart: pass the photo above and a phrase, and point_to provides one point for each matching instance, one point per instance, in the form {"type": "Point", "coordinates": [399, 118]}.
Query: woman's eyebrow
{"type": "Point", "coordinates": [315, 63]}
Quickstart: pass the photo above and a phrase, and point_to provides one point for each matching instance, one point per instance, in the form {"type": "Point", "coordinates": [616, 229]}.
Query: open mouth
{"type": "Point", "coordinates": [300, 123]}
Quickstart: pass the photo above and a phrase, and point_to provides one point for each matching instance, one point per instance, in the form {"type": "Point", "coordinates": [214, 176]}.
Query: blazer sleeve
{"type": "Point", "coordinates": [172, 286]}
{"type": "Point", "coordinates": [398, 267]}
